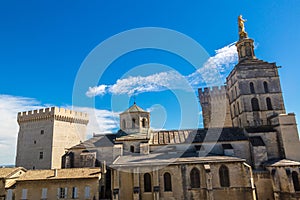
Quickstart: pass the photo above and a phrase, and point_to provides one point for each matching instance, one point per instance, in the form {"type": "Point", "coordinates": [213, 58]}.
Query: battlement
{"type": "Point", "coordinates": [215, 90]}
{"type": "Point", "coordinates": [60, 114]}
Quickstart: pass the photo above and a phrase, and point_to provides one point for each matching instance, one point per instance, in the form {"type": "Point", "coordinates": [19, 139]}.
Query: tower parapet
{"type": "Point", "coordinates": [56, 113]}
{"type": "Point", "coordinates": [215, 106]}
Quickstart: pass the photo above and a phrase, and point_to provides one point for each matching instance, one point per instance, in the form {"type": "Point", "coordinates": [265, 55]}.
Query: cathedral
{"type": "Point", "coordinates": [248, 149]}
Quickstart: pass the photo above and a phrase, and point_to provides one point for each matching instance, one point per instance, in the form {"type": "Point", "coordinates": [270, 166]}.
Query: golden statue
{"type": "Point", "coordinates": [242, 33]}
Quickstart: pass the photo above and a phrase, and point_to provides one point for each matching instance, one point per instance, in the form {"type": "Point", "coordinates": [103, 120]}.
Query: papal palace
{"type": "Point", "coordinates": [249, 148]}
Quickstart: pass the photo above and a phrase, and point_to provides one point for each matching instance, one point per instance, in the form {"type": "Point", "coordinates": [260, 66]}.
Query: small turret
{"type": "Point", "coordinates": [245, 45]}
{"type": "Point", "coordinates": [135, 120]}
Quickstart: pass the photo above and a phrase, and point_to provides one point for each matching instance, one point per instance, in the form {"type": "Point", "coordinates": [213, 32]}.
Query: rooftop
{"type": "Point", "coordinates": [159, 159]}
{"type": "Point", "coordinates": [134, 108]}
{"type": "Point", "coordinates": [54, 174]}
{"type": "Point", "coordinates": [7, 172]}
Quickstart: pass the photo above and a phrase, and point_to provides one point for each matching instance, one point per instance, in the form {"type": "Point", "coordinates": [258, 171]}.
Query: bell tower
{"type": "Point", "coordinates": [253, 86]}
{"type": "Point", "coordinates": [135, 120]}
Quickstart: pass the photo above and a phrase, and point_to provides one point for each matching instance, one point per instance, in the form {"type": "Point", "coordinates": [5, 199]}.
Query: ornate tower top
{"type": "Point", "coordinates": [245, 45]}
{"type": "Point", "coordinates": [242, 33]}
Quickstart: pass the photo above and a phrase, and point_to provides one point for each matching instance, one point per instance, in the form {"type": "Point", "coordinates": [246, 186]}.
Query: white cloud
{"type": "Point", "coordinates": [213, 72]}
{"type": "Point", "coordinates": [96, 91]}
{"type": "Point", "coordinates": [101, 121]}
{"type": "Point", "coordinates": [215, 69]}
{"type": "Point", "coordinates": [9, 107]}
{"type": "Point", "coordinates": [139, 84]}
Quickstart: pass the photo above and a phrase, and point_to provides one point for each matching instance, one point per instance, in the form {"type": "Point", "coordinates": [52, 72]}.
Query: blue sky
{"type": "Point", "coordinates": [43, 46]}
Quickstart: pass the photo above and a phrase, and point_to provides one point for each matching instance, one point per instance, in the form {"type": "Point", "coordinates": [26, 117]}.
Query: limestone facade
{"type": "Point", "coordinates": [45, 134]}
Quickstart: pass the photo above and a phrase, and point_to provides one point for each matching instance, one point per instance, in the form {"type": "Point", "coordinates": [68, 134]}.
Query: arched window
{"type": "Point", "coordinates": [144, 123]}
{"type": "Point", "coordinates": [252, 90]}
{"type": "Point", "coordinates": [132, 149]}
{"type": "Point", "coordinates": [124, 123]}
{"type": "Point", "coordinates": [266, 87]}
{"type": "Point", "coordinates": [133, 123]}
{"type": "Point", "coordinates": [167, 182]}
{"type": "Point", "coordinates": [147, 182]}
{"type": "Point", "coordinates": [269, 103]}
{"type": "Point", "coordinates": [296, 181]}
{"type": "Point", "coordinates": [255, 105]}
{"type": "Point", "coordinates": [195, 178]}
{"type": "Point", "coordinates": [224, 176]}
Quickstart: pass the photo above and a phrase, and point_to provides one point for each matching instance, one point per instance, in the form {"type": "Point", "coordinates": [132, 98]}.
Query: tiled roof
{"type": "Point", "coordinates": [49, 174]}
{"type": "Point", "coordinates": [134, 108]}
{"type": "Point", "coordinates": [282, 163]}
{"type": "Point", "coordinates": [7, 172]}
{"type": "Point", "coordinates": [159, 159]}
{"type": "Point", "coordinates": [197, 135]}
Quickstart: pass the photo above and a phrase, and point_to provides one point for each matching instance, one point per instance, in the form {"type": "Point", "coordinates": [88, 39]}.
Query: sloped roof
{"type": "Point", "coordinates": [158, 159]}
{"type": "Point", "coordinates": [7, 172]}
{"type": "Point", "coordinates": [282, 163]}
{"type": "Point", "coordinates": [106, 140]}
{"type": "Point", "coordinates": [256, 141]}
{"type": "Point", "coordinates": [49, 174]}
{"type": "Point", "coordinates": [134, 108]}
{"type": "Point", "coordinates": [197, 136]}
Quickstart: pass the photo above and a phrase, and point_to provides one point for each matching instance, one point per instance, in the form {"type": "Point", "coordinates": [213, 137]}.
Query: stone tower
{"type": "Point", "coordinates": [135, 120]}
{"type": "Point", "coordinates": [45, 134]}
{"type": "Point", "coordinates": [253, 86]}
{"type": "Point", "coordinates": [215, 107]}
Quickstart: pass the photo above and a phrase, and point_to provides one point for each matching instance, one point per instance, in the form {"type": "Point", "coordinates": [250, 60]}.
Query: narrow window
{"type": "Point", "coordinates": [133, 123]}
{"type": "Point", "coordinates": [132, 149]}
{"type": "Point", "coordinates": [195, 178]}
{"type": "Point", "coordinates": [266, 87]}
{"type": "Point", "coordinates": [234, 110]}
{"type": "Point", "coordinates": [252, 90]}
{"type": "Point", "coordinates": [87, 190]}
{"type": "Point", "coordinates": [269, 103]}
{"type": "Point", "coordinates": [24, 193]}
{"type": "Point", "coordinates": [296, 181]}
{"type": "Point", "coordinates": [144, 123]}
{"type": "Point", "coordinates": [124, 124]}
{"type": "Point", "coordinates": [74, 193]}
{"type": "Point", "coordinates": [42, 132]}
{"type": "Point", "coordinates": [147, 182]}
{"type": "Point", "coordinates": [235, 91]}
{"type": "Point", "coordinates": [224, 176]}
{"type": "Point", "coordinates": [232, 94]}
{"type": "Point", "coordinates": [255, 105]}
{"type": "Point", "coordinates": [238, 107]}
{"type": "Point", "coordinates": [41, 155]}
{"type": "Point", "coordinates": [44, 193]}
{"type": "Point", "coordinates": [167, 182]}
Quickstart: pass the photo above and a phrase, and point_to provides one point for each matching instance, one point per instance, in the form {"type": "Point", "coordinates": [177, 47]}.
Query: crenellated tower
{"type": "Point", "coordinates": [45, 134]}
{"type": "Point", "coordinates": [215, 107]}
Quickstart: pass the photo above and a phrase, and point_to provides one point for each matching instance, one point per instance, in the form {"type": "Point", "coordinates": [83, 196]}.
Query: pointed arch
{"type": "Point", "coordinates": [224, 176]}
{"type": "Point", "coordinates": [254, 104]}
{"type": "Point", "coordinates": [167, 182]}
{"type": "Point", "coordinates": [266, 88]}
{"type": "Point", "coordinates": [269, 103]}
{"type": "Point", "coordinates": [195, 178]}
